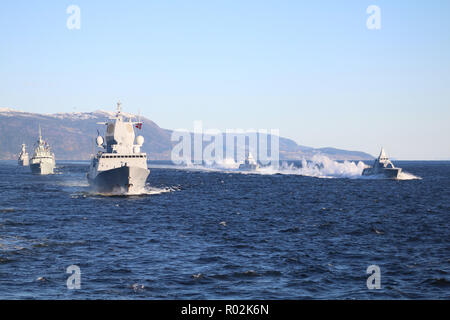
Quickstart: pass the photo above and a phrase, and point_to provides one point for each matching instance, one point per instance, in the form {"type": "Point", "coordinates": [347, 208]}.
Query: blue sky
{"type": "Point", "coordinates": [309, 68]}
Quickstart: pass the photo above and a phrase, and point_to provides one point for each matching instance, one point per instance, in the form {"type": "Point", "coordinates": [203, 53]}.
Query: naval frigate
{"type": "Point", "coordinates": [119, 165]}
{"type": "Point", "coordinates": [24, 160]}
{"type": "Point", "coordinates": [382, 166]}
{"type": "Point", "coordinates": [43, 160]}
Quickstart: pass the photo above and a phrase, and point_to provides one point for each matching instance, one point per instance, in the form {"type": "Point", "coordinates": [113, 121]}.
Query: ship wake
{"type": "Point", "coordinates": [149, 190]}
{"type": "Point", "coordinates": [319, 166]}
{"type": "Point", "coordinates": [145, 191]}
{"type": "Point", "coordinates": [407, 176]}
{"type": "Point", "coordinates": [122, 192]}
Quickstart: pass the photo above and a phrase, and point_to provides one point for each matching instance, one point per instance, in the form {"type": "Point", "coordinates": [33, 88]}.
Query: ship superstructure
{"type": "Point", "coordinates": [119, 165]}
{"type": "Point", "coordinates": [249, 164]}
{"type": "Point", "coordinates": [23, 160]}
{"type": "Point", "coordinates": [43, 160]}
{"type": "Point", "coordinates": [383, 166]}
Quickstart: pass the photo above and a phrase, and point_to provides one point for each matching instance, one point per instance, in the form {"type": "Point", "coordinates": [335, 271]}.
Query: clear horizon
{"type": "Point", "coordinates": [312, 70]}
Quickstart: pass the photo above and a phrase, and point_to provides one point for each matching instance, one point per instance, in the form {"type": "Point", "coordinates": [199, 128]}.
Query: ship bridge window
{"type": "Point", "coordinates": [126, 156]}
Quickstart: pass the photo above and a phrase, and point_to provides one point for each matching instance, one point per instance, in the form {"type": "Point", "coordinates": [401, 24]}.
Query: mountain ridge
{"type": "Point", "coordinates": [71, 137]}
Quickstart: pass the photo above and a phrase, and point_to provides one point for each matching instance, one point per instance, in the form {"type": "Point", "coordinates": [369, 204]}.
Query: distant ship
{"type": "Point", "coordinates": [43, 160]}
{"type": "Point", "coordinates": [120, 166]}
{"type": "Point", "coordinates": [23, 160]}
{"type": "Point", "coordinates": [249, 164]}
{"type": "Point", "coordinates": [382, 166]}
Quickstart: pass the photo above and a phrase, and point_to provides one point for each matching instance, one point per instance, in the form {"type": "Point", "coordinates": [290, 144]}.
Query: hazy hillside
{"type": "Point", "coordinates": [71, 136]}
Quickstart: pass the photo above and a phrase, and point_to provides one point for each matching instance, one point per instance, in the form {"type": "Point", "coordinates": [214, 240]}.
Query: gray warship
{"type": "Point", "coordinates": [249, 164]}
{"type": "Point", "coordinates": [119, 166]}
{"type": "Point", "coordinates": [24, 160]}
{"type": "Point", "coordinates": [382, 166]}
{"type": "Point", "coordinates": [43, 160]}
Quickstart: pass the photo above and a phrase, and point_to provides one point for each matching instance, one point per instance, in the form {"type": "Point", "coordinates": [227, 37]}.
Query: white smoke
{"type": "Point", "coordinates": [323, 167]}
{"type": "Point", "coordinates": [226, 164]}
{"type": "Point", "coordinates": [319, 166]}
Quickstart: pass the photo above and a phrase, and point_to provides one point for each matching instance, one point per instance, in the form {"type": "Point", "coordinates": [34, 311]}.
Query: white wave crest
{"type": "Point", "coordinates": [319, 166]}
{"type": "Point", "coordinates": [407, 176]}
{"type": "Point", "coordinates": [147, 190]}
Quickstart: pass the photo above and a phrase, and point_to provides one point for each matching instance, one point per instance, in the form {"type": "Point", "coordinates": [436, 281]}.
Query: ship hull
{"type": "Point", "coordinates": [126, 179]}
{"type": "Point", "coordinates": [390, 173]}
{"type": "Point", "coordinates": [42, 168]}
{"type": "Point", "coordinates": [248, 167]}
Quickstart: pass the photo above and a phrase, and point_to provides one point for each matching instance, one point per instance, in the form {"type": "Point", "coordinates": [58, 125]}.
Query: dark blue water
{"type": "Point", "coordinates": [219, 235]}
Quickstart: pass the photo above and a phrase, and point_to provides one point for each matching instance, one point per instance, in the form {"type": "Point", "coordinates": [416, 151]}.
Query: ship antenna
{"type": "Point", "coordinates": [119, 104]}
{"type": "Point", "coordinates": [40, 133]}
